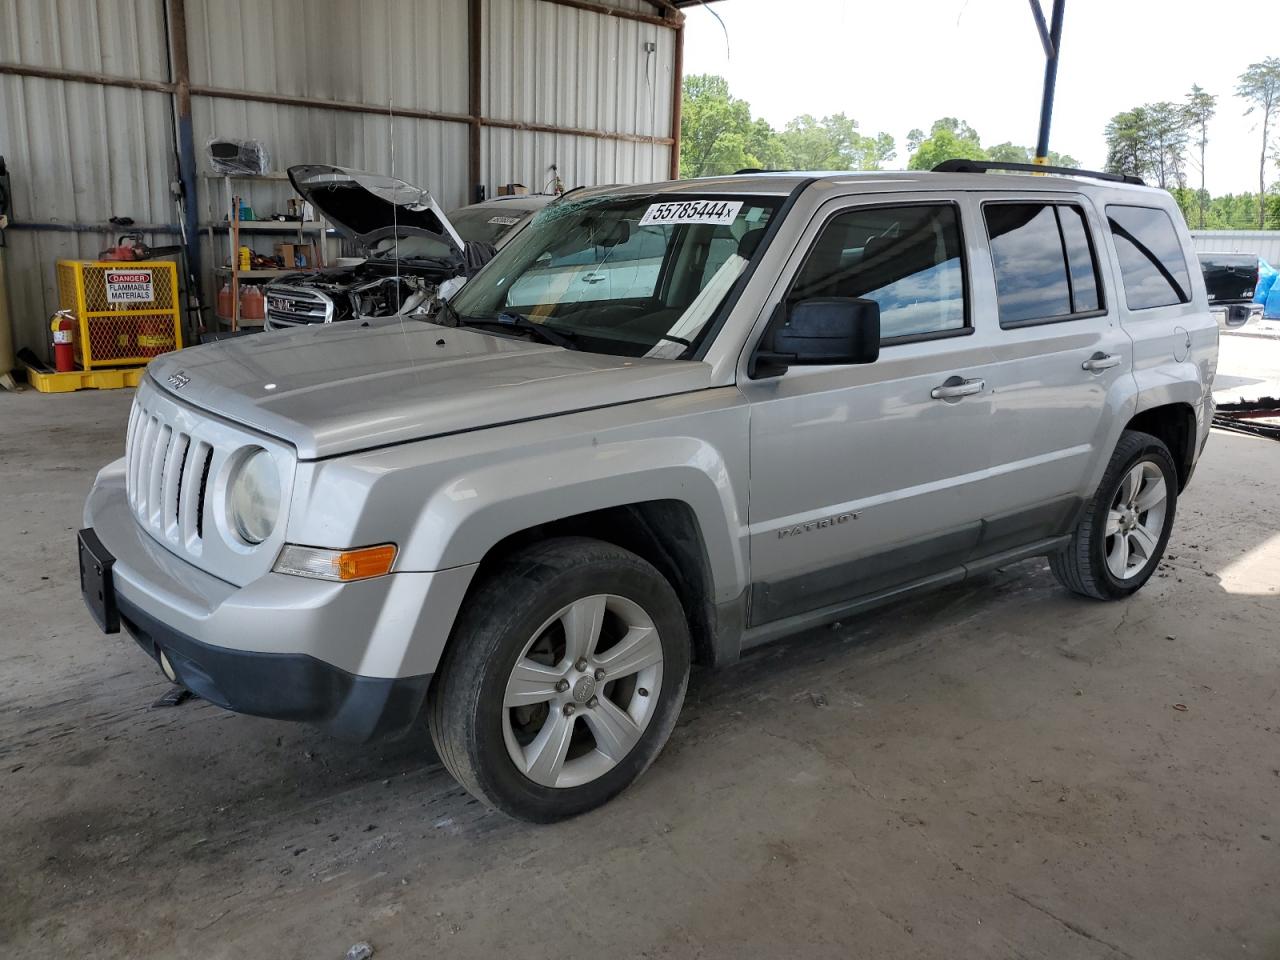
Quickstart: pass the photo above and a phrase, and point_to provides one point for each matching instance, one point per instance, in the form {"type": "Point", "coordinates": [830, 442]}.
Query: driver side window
{"type": "Point", "coordinates": [907, 258]}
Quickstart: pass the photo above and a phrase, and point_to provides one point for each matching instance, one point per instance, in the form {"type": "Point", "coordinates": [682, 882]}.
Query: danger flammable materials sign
{"type": "Point", "coordinates": [129, 286]}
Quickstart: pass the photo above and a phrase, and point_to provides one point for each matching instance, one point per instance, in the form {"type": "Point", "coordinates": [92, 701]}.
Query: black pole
{"type": "Point", "coordinates": [1050, 80]}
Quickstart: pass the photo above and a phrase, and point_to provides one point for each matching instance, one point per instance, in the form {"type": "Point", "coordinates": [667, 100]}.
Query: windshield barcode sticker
{"type": "Point", "coordinates": [505, 221]}
{"type": "Point", "coordinates": [720, 212]}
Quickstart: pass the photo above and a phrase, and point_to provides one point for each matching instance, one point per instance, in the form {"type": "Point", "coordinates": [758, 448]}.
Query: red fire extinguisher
{"type": "Point", "coordinates": [64, 351]}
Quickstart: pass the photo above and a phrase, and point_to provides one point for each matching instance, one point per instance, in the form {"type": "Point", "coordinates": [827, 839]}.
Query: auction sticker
{"type": "Point", "coordinates": [129, 286]}
{"type": "Point", "coordinates": [505, 221]}
{"type": "Point", "coordinates": [719, 212]}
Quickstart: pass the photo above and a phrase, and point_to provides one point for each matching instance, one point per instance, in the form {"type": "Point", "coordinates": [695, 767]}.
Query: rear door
{"type": "Point", "coordinates": [1062, 360]}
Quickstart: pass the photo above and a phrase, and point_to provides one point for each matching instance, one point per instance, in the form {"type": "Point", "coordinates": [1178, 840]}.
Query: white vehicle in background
{"type": "Point", "coordinates": [492, 221]}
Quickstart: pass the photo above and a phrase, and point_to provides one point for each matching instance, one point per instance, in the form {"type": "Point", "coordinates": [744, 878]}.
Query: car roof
{"type": "Point", "coordinates": [782, 183]}
{"type": "Point", "coordinates": [518, 201]}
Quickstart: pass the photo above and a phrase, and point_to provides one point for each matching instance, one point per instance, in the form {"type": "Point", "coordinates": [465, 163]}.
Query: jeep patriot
{"type": "Point", "coordinates": [665, 424]}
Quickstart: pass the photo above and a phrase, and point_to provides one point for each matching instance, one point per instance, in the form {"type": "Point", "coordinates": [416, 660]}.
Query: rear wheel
{"type": "Point", "coordinates": [1118, 543]}
{"type": "Point", "coordinates": [562, 681]}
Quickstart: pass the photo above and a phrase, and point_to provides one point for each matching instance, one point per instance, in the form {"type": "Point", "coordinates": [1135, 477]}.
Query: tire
{"type": "Point", "coordinates": [1090, 564]}
{"type": "Point", "coordinates": [610, 723]}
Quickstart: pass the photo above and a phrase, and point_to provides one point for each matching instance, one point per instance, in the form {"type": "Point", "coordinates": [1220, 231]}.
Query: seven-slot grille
{"type": "Point", "coordinates": [293, 306]}
{"type": "Point", "coordinates": [166, 476]}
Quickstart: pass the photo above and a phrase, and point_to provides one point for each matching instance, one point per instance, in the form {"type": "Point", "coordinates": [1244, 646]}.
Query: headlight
{"type": "Point", "coordinates": [254, 503]}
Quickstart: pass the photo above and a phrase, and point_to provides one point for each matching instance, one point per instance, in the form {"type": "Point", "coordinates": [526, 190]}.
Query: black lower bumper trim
{"type": "Point", "coordinates": [284, 686]}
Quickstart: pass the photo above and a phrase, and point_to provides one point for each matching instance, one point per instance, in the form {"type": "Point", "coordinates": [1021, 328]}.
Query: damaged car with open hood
{"type": "Point", "coordinates": [408, 245]}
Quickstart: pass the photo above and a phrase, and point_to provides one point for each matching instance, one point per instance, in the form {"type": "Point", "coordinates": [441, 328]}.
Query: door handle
{"type": "Point", "coordinates": [1101, 361]}
{"type": "Point", "coordinates": [593, 278]}
{"type": "Point", "coordinates": [956, 387]}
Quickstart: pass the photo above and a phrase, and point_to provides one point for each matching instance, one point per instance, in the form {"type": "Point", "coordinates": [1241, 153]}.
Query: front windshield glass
{"type": "Point", "coordinates": [628, 275]}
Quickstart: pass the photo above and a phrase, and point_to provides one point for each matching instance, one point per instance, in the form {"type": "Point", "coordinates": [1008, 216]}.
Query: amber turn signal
{"type": "Point", "coordinates": [342, 565]}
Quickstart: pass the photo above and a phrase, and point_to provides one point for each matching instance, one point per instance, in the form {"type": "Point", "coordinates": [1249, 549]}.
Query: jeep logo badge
{"type": "Point", "coordinates": [178, 380]}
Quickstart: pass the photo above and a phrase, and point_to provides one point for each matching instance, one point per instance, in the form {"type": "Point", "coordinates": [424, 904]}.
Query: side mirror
{"type": "Point", "coordinates": [818, 332]}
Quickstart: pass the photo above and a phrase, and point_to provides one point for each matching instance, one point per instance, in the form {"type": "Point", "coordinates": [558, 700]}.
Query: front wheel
{"type": "Point", "coordinates": [563, 679]}
{"type": "Point", "coordinates": [1118, 543]}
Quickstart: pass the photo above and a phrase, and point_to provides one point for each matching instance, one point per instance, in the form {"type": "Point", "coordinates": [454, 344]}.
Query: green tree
{"type": "Point", "coordinates": [833, 143]}
{"type": "Point", "coordinates": [1128, 143]}
{"type": "Point", "coordinates": [1260, 85]}
{"type": "Point", "coordinates": [1199, 110]}
{"type": "Point", "coordinates": [1012, 153]}
{"type": "Point", "coordinates": [948, 138]}
{"type": "Point", "coordinates": [1168, 132]}
{"type": "Point", "coordinates": [717, 133]}
{"type": "Point", "coordinates": [1149, 142]}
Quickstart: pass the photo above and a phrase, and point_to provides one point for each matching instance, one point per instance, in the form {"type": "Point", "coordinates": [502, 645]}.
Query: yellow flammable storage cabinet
{"type": "Point", "coordinates": [124, 314]}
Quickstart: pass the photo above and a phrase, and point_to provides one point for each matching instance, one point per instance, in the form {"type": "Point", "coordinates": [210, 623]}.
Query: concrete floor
{"type": "Point", "coordinates": [997, 770]}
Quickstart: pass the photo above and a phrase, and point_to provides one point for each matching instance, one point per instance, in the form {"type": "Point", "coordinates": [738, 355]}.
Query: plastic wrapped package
{"type": "Point", "coordinates": [238, 158]}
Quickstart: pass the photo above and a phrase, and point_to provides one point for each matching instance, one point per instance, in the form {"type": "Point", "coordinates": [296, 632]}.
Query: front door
{"type": "Point", "coordinates": [870, 476]}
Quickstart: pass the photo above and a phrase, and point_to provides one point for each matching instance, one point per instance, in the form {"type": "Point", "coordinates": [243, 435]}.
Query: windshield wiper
{"type": "Point", "coordinates": [449, 316]}
{"type": "Point", "coordinates": [519, 321]}
{"type": "Point", "coordinates": [548, 334]}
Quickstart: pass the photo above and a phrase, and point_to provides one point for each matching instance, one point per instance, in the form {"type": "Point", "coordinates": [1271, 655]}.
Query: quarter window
{"type": "Point", "coordinates": [905, 258]}
{"type": "Point", "coordinates": [1044, 264]}
{"type": "Point", "coordinates": [1151, 259]}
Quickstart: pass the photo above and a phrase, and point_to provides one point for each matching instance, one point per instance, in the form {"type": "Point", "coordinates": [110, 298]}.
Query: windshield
{"type": "Point", "coordinates": [485, 226]}
{"type": "Point", "coordinates": [631, 275]}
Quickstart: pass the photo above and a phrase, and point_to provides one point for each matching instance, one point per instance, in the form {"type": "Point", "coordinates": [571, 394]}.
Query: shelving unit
{"type": "Point", "coordinates": [226, 223]}
{"type": "Point", "coordinates": [258, 274]}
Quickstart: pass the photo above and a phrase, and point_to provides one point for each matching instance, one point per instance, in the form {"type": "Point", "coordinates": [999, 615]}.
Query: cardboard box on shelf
{"type": "Point", "coordinates": [297, 255]}
{"type": "Point", "coordinates": [512, 189]}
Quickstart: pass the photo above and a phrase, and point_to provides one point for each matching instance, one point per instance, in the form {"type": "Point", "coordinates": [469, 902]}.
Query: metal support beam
{"type": "Point", "coordinates": [1042, 27]}
{"type": "Point", "coordinates": [83, 76]}
{"type": "Point", "coordinates": [677, 100]}
{"type": "Point", "coordinates": [475, 47]}
{"type": "Point", "coordinates": [1053, 46]}
{"type": "Point", "coordinates": [603, 8]}
{"type": "Point", "coordinates": [180, 74]}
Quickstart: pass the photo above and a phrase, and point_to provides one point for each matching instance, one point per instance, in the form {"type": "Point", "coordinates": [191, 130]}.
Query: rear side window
{"type": "Point", "coordinates": [905, 258]}
{"type": "Point", "coordinates": [1151, 260]}
{"type": "Point", "coordinates": [1044, 262]}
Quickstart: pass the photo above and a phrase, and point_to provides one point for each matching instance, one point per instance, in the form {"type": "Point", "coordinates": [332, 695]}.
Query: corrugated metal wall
{"type": "Point", "coordinates": [547, 64]}
{"type": "Point", "coordinates": [80, 152]}
{"type": "Point", "coordinates": [1264, 243]}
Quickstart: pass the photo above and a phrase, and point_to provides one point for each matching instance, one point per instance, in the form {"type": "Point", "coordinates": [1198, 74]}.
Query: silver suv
{"type": "Point", "coordinates": [790, 398]}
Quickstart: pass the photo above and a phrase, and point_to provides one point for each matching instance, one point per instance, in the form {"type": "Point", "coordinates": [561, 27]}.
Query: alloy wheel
{"type": "Point", "coordinates": [598, 660]}
{"type": "Point", "coordinates": [1135, 521]}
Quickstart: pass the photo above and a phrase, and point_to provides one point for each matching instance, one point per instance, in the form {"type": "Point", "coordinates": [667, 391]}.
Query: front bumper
{"type": "Point", "coordinates": [356, 658]}
{"type": "Point", "coordinates": [284, 686]}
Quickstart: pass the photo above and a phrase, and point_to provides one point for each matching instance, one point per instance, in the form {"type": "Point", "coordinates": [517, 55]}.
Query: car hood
{"type": "Point", "coordinates": [334, 389]}
{"type": "Point", "coordinates": [369, 205]}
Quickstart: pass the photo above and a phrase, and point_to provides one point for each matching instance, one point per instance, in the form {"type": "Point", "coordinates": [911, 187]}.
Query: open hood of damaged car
{"type": "Point", "coordinates": [369, 206]}
{"type": "Point", "coordinates": [337, 388]}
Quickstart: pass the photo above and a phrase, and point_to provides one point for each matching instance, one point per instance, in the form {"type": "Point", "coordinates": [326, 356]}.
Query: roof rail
{"type": "Point", "coordinates": [746, 170]}
{"type": "Point", "coordinates": [982, 166]}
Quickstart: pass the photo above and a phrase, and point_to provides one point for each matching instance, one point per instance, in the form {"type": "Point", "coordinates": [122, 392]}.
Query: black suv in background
{"type": "Point", "coordinates": [1231, 279]}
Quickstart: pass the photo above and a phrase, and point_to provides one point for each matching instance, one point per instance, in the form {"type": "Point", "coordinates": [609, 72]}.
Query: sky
{"type": "Point", "coordinates": [901, 64]}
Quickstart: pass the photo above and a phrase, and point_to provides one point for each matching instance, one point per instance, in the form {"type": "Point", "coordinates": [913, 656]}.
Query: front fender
{"type": "Point", "coordinates": [447, 501]}
{"type": "Point", "coordinates": [478, 508]}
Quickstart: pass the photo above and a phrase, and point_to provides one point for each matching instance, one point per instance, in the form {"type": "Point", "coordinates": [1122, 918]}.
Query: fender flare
{"type": "Point", "coordinates": [466, 516]}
